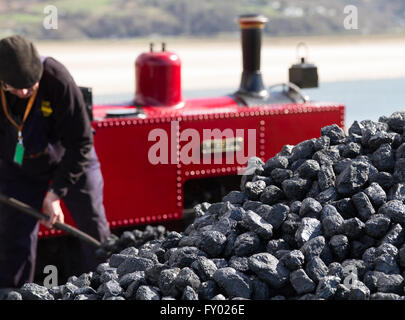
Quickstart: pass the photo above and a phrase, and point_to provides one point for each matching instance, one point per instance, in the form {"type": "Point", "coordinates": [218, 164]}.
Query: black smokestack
{"type": "Point", "coordinates": [251, 32]}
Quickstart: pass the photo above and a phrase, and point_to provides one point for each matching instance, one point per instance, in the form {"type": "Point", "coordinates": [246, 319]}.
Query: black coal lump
{"type": "Point", "coordinates": [334, 132]}
{"type": "Point", "coordinates": [363, 205]}
{"type": "Point", "coordinates": [321, 220]}
{"type": "Point", "coordinates": [309, 169]}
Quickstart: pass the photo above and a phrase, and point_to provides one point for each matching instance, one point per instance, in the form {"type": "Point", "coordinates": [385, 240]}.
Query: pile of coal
{"type": "Point", "coordinates": [320, 220]}
{"type": "Point", "coordinates": [134, 238]}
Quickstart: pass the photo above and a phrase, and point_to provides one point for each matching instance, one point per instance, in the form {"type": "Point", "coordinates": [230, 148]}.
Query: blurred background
{"type": "Point", "coordinates": [358, 45]}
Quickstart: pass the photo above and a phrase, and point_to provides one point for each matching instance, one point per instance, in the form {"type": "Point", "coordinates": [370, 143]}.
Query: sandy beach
{"type": "Point", "coordinates": [108, 65]}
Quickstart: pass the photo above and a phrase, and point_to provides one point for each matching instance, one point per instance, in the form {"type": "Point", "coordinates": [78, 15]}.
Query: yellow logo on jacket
{"type": "Point", "coordinates": [46, 108]}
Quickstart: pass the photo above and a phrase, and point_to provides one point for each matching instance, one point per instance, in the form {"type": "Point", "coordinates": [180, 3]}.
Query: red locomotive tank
{"type": "Point", "coordinates": [158, 78]}
{"type": "Point", "coordinates": [158, 160]}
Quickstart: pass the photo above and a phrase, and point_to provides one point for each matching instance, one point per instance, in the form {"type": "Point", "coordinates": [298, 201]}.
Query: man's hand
{"type": "Point", "coordinates": [51, 207]}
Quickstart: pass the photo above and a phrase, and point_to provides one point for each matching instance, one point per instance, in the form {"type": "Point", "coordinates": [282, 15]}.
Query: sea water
{"type": "Point", "coordinates": [363, 99]}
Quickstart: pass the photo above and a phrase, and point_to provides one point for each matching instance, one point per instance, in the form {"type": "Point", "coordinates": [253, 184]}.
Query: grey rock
{"type": "Point", "coordinates": [129, 278]}
{"type": "Point", "coordinates": [377, 226]}
{"type": "Point", "coordinates": [395, 210]}
{"type": "Point", "coordinates": [340, 247]}
{"type": "Point", "coordinates": [189, 294]}
{"type": "Point", "coordinates": [187, 277]}
{"type": "Point", "coordinates": [342, 292]}
{"type": "Point", "coordinates": [363, 205]}
{"type": "Point", "coordinates": [310, 208]}
{"type": "Point", "coordinates": [220, 263]}
{"type": "Point", "coordinates": [386, 263]}
{"type": "Point", "coordinates": [291, 224]}
{"type": "Point", "coordinates": [331, 220]}
{"type": "Point", "coordinates": [326, 177]}
{"type": "Point", "coordinates": [390, 283]}
{"type": "Point", "coordinates": [255, 189]}
{"type": "Point", "coordinates": [275, 162]}
{"type": "Point", "coordinates": [152, 275]}
{"type": "Point", "coordinates": [32, 291]}
{"type": "Point", "coordinates": [308, 229]}
{"type": "Point", "coordinates": [397, 192]}
{"type": "Point", "coordinates": [205, 268]}
{"type": "Point", "coordinates": [396, 236]}
{"type": "Point", "coordinates": [353, 228]}
{"type": "Point", "coordinates": [327, 287]}
{"type": "Point", "coordinates": [309, 169]}
{"type": "Point", "coordinates": [277, 215]}
{"type": "Point", "coordinates": [384, 296]}
{"type": "Point", "coordinates": [112, 288]}
{"type": "Point", "coordinates": [208, 290]}
{"type": "Point", "coordinates": [296, 188]}
{"type": "Point", "coordinates": [376, 194]}
{"type": "Point", "coordinates": [295, 206]}
{"type": "Point", "coordinates": [303, 150]}
{"type": "Point", "coordinates": [352, 179]}
{"type": "Point", "coordinates": [212, 242]}
{"type": "Point", "coordinates": [316, 269]}
{"type": "Point", "coordinates": [384, 158]}
{"type": "Point", "coordinates": [278, 175]}
{"type": "Point", "coordinates": [351, 150]}
{"type": "Point", "coordinates": [359, 291]}
{"type": "Point", "coordinates": [323, 142]}
{"type": "Point", "coordinates": [235, 197]}
{"type": "Point", "coordinates": [13, 295]}
{"type": "Point", "coordinates": [335, 269]}
{"type": "Point", "coordinates": [275, 245]}
{"type": "Point", "coordinates": [301, 283]}
{"type": "Point", "coordinates": [334, 132]}
{"type": "Point", "coordinates": [313, 248]}
{"type": "Point", "coordinates": [260, 290]}
{"type": "Point", "coordinates": [234, 283]}
{"type": "Point", "coordinates": [293, 260]}
{"type": "Point", "coordinates": [132, 264]}
{"type": "Point", "coordinates": [246, 244]}
{"type": "Point", "coordinates": [402, 256]}
{"type": "Point", "coordinates": [251, 205]}
{"type": "Point", "coordinates": [269, 269]}
{"type": "Point", "coordinates": [240, 264]}
{"type": "Point", "coordinates": [257, 224]}
{"type": "Point", "coordinates": [327, 196]}
{"type": "Point", "coordinates": [166, 282]}
{"type": "Point", "coordinates": [384, 179]}
{"type": "Point", "coordinates": [345, 207]}
{"type": "Point", "coordinates": [147, 293]}
{"type": "Point", "coordinates": [185, 256]}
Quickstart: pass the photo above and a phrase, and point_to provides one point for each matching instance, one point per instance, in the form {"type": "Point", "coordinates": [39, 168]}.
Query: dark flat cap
{"type": "Point", "coordinates": [20, 64]}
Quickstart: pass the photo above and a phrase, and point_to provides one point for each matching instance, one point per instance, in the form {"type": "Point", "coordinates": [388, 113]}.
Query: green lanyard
{"type": "Point", "coordinates": [19, 149]}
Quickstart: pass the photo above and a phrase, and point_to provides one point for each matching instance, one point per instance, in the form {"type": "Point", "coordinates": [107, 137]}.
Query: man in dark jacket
{"type": "Point", "coordinates": [46, 154]}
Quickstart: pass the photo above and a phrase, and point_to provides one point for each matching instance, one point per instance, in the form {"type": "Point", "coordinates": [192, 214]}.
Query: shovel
{"type": "Point", "coordinates": [23, 207]}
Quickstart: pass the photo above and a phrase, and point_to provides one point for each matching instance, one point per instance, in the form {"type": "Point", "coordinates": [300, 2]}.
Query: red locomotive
{"type": "Point", "coordinates": [161, 154]}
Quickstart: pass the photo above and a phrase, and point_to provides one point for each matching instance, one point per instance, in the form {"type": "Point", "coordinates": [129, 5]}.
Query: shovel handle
{"type": "Point", "coordinates": [23, 207]}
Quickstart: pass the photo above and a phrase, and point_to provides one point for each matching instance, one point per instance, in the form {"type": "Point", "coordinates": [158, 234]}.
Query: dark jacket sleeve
{"type": "Point", "coordinates": [74, 130]}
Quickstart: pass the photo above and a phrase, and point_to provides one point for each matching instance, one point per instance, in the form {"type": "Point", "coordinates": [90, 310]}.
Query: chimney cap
{"type": "Point", "coordinates": [252, 20]}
